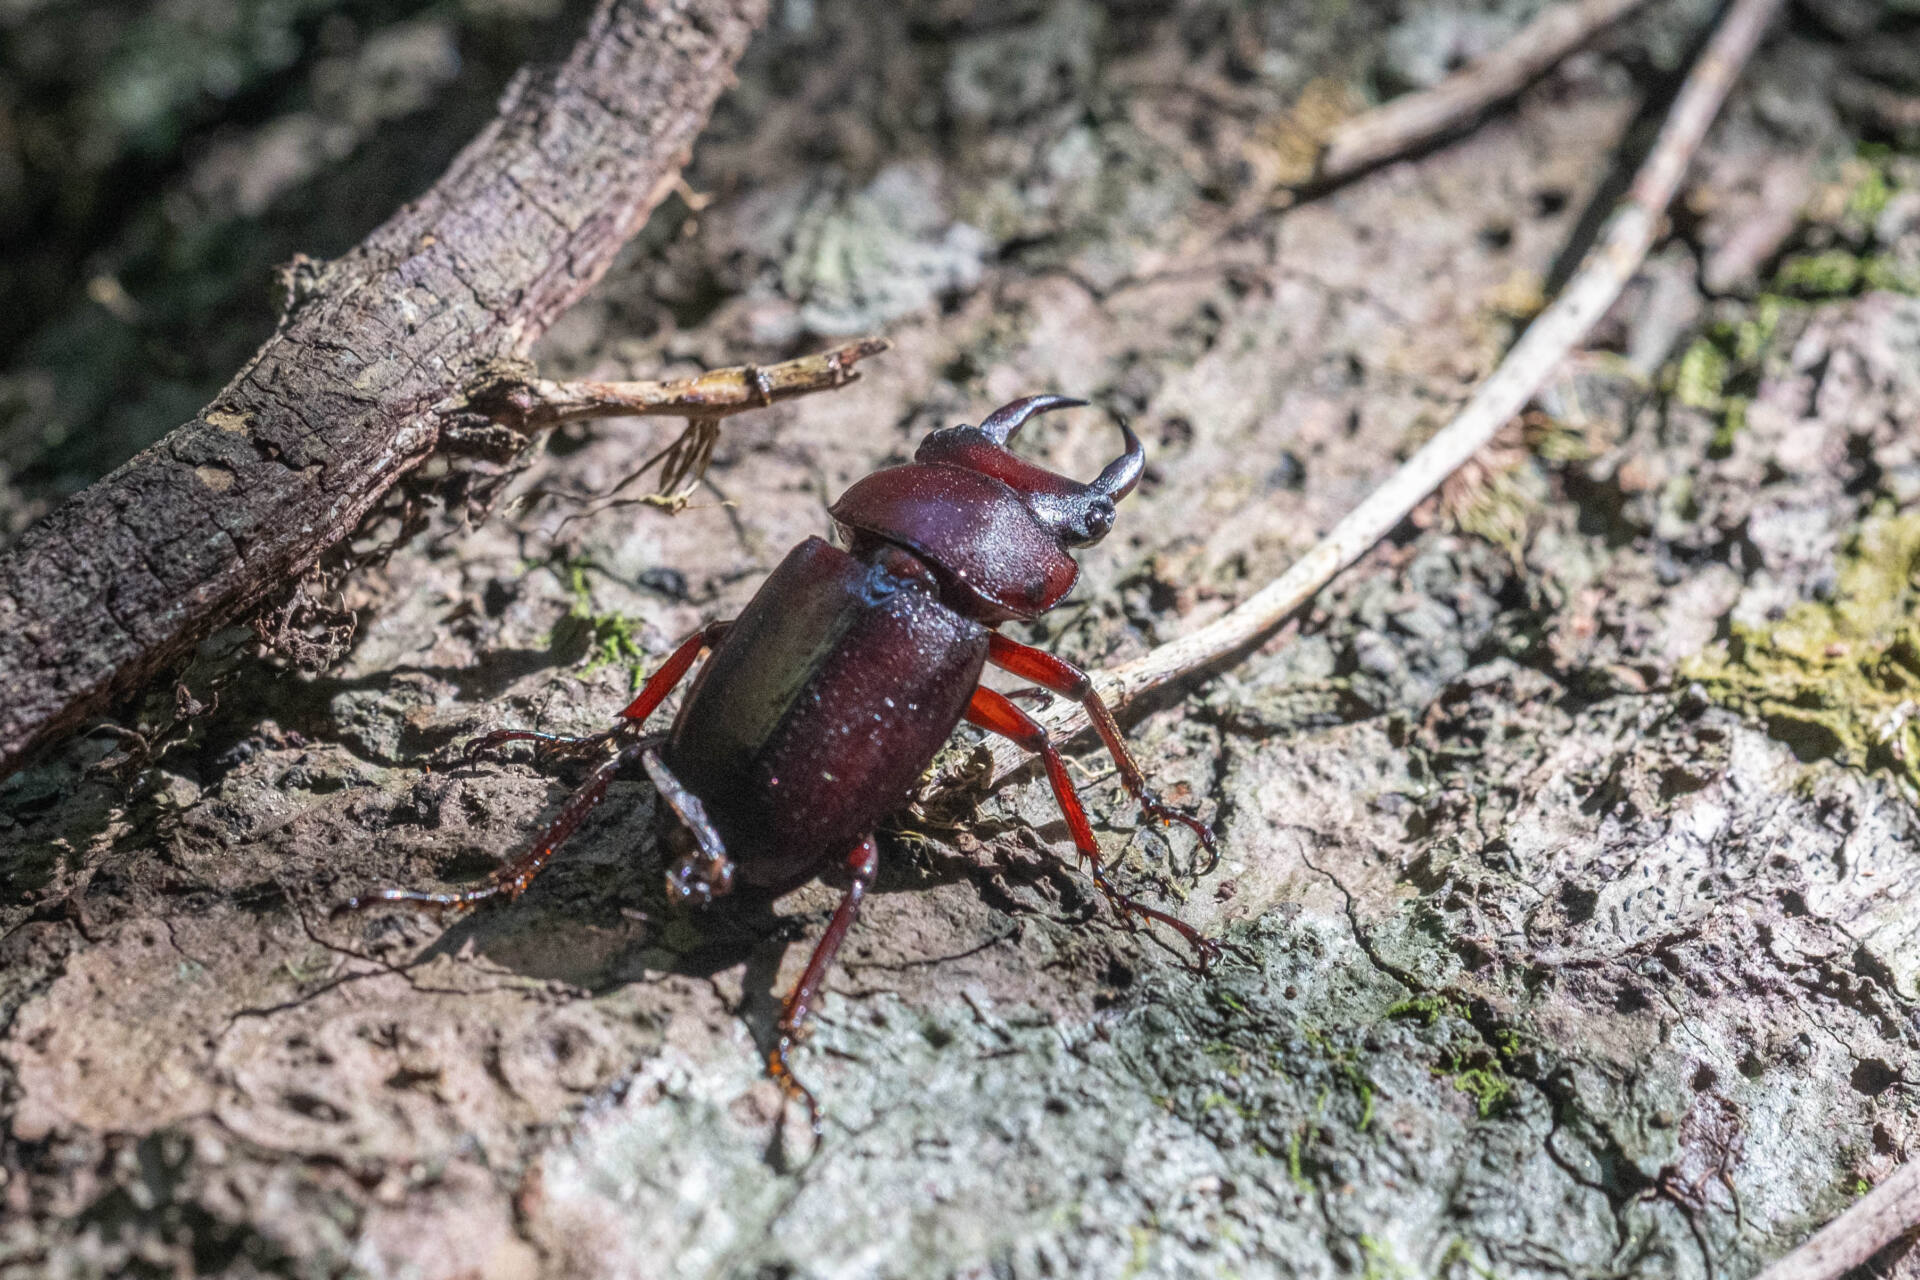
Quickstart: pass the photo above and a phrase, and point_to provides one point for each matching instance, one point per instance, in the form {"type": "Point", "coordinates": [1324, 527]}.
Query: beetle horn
{"type": "Point", "coordinates": [1000, 425]}
{"type": "Point", "coordinates": [1124, 472]}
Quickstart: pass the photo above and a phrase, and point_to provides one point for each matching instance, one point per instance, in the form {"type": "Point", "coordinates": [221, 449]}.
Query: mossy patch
{"type": "Point", "coordinates": [1489, 1087]}
{"type": "Point", "coordinates": [1378, 1261]}
{"type": "Point", "coordinates": [1422, 1007]}
{"type": "Point", "coordinates": [1476, 1067]}
{"type": "Point", "coordinates": [1720, 370]}
{"type": "Point", "coordinates": [1840, 273]}
{"type": "Point", "coordinates": [598, 639]}
{"type": "Point", "coordinates": [1841, 252]}
{"type": "Point", "coordinates": [1837, 253]}
{"type": "Point", "coordinates": [1838, 679]}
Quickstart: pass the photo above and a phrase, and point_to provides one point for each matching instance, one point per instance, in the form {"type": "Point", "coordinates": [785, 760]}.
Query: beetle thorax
{"type": "Point", "coordinates": [995, 527]}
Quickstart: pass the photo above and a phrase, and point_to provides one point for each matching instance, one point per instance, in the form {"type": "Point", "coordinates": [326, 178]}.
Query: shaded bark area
{"type": "Point", "coordinates": [354, 389]}
{"type": "Point", "coordinates": [1562, 951]}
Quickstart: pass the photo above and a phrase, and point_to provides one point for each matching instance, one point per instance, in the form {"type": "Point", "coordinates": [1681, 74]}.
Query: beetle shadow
{"type": "Point", "coordinates": [598, 916]}
{"type": "Point", "coordinates": [256, 693]}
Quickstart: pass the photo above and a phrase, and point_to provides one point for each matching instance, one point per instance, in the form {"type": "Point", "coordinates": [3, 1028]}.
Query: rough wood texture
{"type": "Point", "coordinates": [353, 390]}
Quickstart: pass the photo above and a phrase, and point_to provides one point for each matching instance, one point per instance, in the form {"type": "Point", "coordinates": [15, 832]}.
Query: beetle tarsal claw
{"type": "Point", "coordinates": [790, 1086]}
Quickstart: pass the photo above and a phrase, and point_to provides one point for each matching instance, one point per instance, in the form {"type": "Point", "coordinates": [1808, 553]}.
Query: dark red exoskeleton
{"type": "Point", "coordinates": [823, 703]}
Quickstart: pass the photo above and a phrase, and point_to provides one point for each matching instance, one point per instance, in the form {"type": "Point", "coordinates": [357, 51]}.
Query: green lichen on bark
{"type": "Point", "coordinates": [1838, 679]}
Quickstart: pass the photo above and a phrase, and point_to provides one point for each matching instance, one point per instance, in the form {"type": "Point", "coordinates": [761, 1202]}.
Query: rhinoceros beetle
{"type": "Point", "coordinates": [825, 700]}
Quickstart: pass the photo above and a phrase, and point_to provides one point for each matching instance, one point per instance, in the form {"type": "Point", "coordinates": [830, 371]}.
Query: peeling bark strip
{"type": "Point", "coordinates": [369, 362]}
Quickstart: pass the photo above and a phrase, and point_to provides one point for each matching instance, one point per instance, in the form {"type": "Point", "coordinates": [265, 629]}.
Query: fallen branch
{"type": "Point", "coordinates": [1552, 336]}
{"type": "Point", "coordinates": [1412, 120]}
{"type": "Point", "coordinates": [375, 358]}
{"type": "Point", "coordinates": [1875, 1221]}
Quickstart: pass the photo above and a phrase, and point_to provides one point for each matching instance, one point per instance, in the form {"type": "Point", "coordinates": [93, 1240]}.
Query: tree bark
{"type": "Point", "coordinates": [371, 358]}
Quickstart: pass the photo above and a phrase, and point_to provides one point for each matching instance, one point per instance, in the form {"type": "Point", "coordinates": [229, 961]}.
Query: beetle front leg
{"type": "Point", "coordinates": [862, 865]}
{"type": "Point", "coordinates": [1067, 680]}
{"type": "Point", "coordinates": [991, 710]}
{"type": "Point", "coordinates": [701, 870]}
{"type": "Point", "coordinates": [512, 878]}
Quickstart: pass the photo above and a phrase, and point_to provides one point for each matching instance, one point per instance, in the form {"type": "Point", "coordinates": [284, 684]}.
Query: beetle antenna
{"type": "Point", "coordinates": [1124, 472]}
{"type": "Point", "coordinates": [1000, 425]}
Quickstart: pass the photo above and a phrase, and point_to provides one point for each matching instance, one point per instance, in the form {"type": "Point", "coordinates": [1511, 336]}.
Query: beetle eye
{"type": "Point", "coordinates": [1099, 519]}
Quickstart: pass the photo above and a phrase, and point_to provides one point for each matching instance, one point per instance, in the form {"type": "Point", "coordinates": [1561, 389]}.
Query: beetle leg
{"type": "Point", "coordinates": [657, 687]}
{"type": "Point", "coordinates": [1063, 678]}
{"type": "Point", "coordinates": [862, 864]}
{"type": "Point", "coordinates": [701, 870]}
{"type": "Point", "coordinates": [992, 711]}
{"type": "Point", "coordinates": [512, 878]}
{"type": "Point", "coordinates": [673, 670]}
{"type": "Point", "coordinates": [551, 744]}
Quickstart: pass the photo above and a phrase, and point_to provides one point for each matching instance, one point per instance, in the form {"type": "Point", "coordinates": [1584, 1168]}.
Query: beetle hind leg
{"type": "Point", "coordinates": [512, 878]}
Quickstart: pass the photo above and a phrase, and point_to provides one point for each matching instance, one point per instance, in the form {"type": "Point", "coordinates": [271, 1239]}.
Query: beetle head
{"type": "Point", "coordinates": [1075, 514]}
{"type": "Point", "coordinates": [997, 527]}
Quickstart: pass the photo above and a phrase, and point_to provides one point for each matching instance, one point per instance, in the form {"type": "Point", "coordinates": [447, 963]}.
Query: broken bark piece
{"type": "Point", "coordinates": [375, 356]}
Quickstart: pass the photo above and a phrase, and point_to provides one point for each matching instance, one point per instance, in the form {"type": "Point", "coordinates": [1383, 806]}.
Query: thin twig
{"type": "Point", "coordinates": [1882, 1216]}
{"type": "Point", "coordinates": [538, 404]}
{"type": "Point", "coordinates": [1408, 122]}
{"type": "Point", "coordinates": [1555, 333]}
{"type": "Point", "coordinates": [530, 405]}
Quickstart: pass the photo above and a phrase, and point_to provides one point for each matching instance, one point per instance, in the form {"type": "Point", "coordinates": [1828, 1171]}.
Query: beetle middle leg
{"type": "Point", "coordinates": [700, 870]}
{"type": "Point", "coordinates": [1062, 677]}
{"type": "Point", "coordinates": [652, 694]}
{"type": "Point", "coordinates": [992, 711]}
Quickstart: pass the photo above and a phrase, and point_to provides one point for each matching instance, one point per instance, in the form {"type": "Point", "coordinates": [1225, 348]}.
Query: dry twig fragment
{"type": "Point", "coordinates": [1414, 119]}
{"type": "Point", "coordinates": [703, 400]}
{"type": "Point", "coordinates": [717, 393]}
{"type": "Point", "coordinates": [1875, 1221]}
